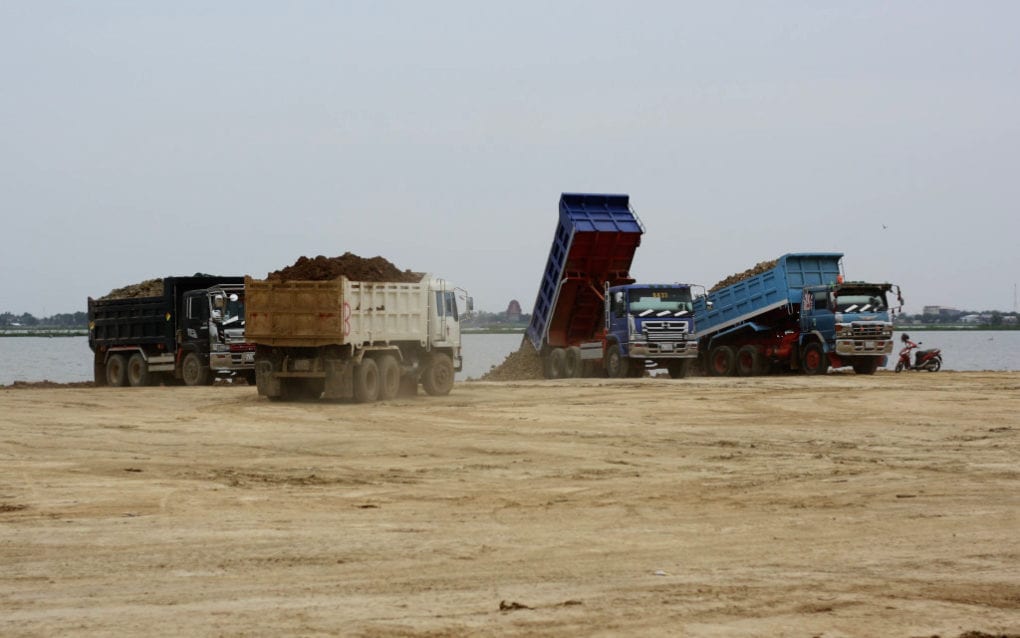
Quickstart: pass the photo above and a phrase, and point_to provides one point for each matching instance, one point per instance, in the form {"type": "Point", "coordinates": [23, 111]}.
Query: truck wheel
{"type": "Point", "coordinates": [193, 371]}
{"type": "Point", "coordinates": [679, 369]}
{"type": "Point", "coordinates": [867, 366]}
{"type": "Point", "coordinates": [721, 361]}
{"type": "Point", "coordinates": [116, 371]}
{"type": "Point", "coordinates": [813, 360]}
{"type": "Point", "coordinates": [438, 377]}
{"type": "Point", "coordinates": [555, 364]}
{"type": "Point", "coordinates": [366, 381]}
{"type": "Point", "coordinates": [574, 365]}
{"type": "Point", "coordinates": [748, 361]}
{"type": "Point", "coordinates": [138, 371]}
{"type": "Point", "coordinates": [616, 365]}
{"type": "Point", "coordinates": [389, 377]}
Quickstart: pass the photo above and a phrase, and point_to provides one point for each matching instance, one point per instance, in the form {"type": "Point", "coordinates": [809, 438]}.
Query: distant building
{"type": "Point", "coordinates": [973, 319]}
{"type": "Point", "coordinates": [513, 311]}
{"type": "Point", "coordinates": [940, 311]}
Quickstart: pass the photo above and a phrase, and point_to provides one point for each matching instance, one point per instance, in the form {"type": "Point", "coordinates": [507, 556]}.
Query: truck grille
{"type": "Point", "coordinates": [664, 330]}
{"type": "Point", "coordinates": [870, 331]}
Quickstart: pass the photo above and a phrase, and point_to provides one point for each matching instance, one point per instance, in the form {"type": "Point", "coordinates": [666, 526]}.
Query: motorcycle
{"type": "Point", "coordinates": [930, 360]}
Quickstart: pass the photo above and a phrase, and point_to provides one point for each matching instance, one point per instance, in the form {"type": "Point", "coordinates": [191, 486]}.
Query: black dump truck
{"type": "Point", "coordinates": [192, 333]}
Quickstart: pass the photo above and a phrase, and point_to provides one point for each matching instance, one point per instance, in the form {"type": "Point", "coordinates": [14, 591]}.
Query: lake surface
{"type": "Point", "coordinates": [68, 359]}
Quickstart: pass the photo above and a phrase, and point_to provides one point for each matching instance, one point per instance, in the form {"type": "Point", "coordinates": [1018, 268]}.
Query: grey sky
{"type": "Point", "coordinates": [147, 139]}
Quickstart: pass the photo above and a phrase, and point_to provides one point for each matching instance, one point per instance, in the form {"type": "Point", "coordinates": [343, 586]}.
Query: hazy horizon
{"type": "Point", "coordinates": [146, 140]}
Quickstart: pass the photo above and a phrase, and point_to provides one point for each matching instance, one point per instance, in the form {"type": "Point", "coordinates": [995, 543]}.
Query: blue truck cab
{"type": "Point", "coordinates": [652, 321]}
{"type": "Point", "coordinates": [796, 314]}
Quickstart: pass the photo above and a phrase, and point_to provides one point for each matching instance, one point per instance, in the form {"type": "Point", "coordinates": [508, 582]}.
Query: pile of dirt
{"type": "Point", "coordinates": [758, 269]}
{"type": "Point", "coordinates": [523, 365]}
{"type": "Point", "coordinates": [147, 288]}
{"type": "Point", "coordinates": [350, 265]}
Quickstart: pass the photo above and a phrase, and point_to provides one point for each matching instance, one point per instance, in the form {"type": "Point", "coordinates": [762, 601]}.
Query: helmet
{"type": "Point", "coordinates": [904, 337]}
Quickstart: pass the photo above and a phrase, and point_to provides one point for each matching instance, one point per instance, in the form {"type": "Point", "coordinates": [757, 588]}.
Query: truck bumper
{"type": "Point", "coordinates": [232, 360]}
{"type": "Point", "coordinates": [851, 347]}
{"type": "Point", "coordinates": [664, 350]}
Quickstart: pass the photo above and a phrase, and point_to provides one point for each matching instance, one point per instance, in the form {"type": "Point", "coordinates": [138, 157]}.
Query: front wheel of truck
{"type": "Point", "coordinates": [616, 365]}
{"type": "Point", "coordinates": [438, 376]}
{"type": "Point", "coordinates": [812, 359]}
{"type": "Point", "coordinates": [193, 371]}
{"type": "Point", "coordinates": [867, 366]}
{"type": "Point", "coordinates": [679, 369]}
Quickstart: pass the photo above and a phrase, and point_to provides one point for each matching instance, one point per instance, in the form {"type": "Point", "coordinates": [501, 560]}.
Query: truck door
{"type": "Point", "coordinates": [816, 314]}
{"type": "Point", "coordinates": [196, 319]}
{"type": "Point", "coordinates": [619, 321]}
{"type": "Point", "coordinates": [446, 319]}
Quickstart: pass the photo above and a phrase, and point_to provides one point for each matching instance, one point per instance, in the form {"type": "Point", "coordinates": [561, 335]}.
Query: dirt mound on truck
{"type": "Point", "coordinates": [352, 266]}
{"type": "Point", "coordinates": [523, 365]}
{"type": "Point", "coordinates": [758, 269]}
{"type": "Point", "coordinates": [147, 288]}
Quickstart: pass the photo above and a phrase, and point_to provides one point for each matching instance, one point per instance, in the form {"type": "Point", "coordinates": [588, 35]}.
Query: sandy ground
{"type": "Point", "coordinates": [780, 506]}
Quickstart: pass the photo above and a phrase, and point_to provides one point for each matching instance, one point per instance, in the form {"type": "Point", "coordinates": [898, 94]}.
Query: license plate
{"type": "Point", "coordinates": [666, 347]}
{"type": "Point", "coordinates": [870, 345]}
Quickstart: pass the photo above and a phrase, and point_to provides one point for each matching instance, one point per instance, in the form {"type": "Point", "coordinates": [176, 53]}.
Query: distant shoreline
{"type": "Point", "coordinates": [65, 332]}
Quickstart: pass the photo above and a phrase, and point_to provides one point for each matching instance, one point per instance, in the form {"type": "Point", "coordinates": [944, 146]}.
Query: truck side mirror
{"type": "Point", "coordinates": [469, 304]}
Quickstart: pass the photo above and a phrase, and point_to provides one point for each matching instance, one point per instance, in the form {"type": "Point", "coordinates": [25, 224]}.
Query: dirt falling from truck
{"type": "Point", "coordinates": [352, 266]}
{"type": "Point", "coordinates": [758, 269]}
{"type": "Point", "coordinates": [524, 364]}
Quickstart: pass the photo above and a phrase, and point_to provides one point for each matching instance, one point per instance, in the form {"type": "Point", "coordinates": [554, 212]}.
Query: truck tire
{"type": "Point", "coordinates": [813, 360]}
{"type": "Point", "coordinates": [555, 364]}
{"type": "Point", "coordinates": [866, 366]}
{"type": "Point", "coordinates": [573, 366]}
{"type": "Point", "coordinates": [193, 371]}
{"type": "Point", "coordinates": [748, 361]}
{"type": "Point", "coordinates": [138, 371]}
{"type": "Point", "coordinates": [679, 369]}
{"type": "Point", "coordinates": [366, 381]}
{"type": "Point", "coordinates": [617, 366]}
{"type": "Point", "coordinates": [437, 379]}
{"type": "Point", "coordinates": [389, 377]}
{"type": "Point", "coordinates": [116, 371]}
{"type": "Point", "coordinates": [721, 361]}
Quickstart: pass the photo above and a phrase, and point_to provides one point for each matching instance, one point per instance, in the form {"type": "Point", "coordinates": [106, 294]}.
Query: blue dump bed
{"type": "Point", "coordinates": [780, 286]}
{"type": "Point", "coordinates": [594, 243]}
{"type": "Point", "coordinates": [152, 320]}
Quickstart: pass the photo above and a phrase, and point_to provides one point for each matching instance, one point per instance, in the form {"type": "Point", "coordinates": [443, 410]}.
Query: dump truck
{"type": "Point", "coordinates": [796, 314]}
{"type": "Point", "coordinates": [192, 333]}
{"type": "Point", "coordinates": [590, 316]}
{"type": "Point", "coordinates": [361, 340]}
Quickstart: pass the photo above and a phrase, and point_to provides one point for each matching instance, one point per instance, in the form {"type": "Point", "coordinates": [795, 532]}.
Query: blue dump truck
{"type": "Point", "coordinates": [796, 313]}
{"type": "Point", "coordinates": [590, 317]}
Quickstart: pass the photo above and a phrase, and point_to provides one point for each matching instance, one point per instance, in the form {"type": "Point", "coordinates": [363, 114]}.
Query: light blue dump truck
{"type": "Point", "coordinates": [798, 314]}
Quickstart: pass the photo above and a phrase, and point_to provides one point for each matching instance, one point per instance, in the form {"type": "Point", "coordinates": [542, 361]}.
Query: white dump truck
{"type": "Point", "coordinates": [342, 339]}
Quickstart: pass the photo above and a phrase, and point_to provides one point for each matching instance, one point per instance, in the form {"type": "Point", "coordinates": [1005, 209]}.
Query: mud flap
{"type": "Point", "coordinates": [267, 383]}
{"type": "Point", "coordinates": [339, 379]}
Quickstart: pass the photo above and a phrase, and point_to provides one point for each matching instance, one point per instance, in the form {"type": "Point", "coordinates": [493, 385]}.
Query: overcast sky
{"type": "Point", "coordinates": [144, 139]}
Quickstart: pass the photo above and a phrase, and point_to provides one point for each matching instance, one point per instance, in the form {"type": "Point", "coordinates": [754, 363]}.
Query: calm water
{"type": "Point", "coordinates": [66, 359]}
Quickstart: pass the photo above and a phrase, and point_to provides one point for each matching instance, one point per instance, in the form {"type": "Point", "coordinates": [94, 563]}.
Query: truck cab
{"type": "Point", "coordinates": [444, 320]}
{"type": "Point", "coordinates": [652, 321]}
{"type": "Point", "coordinates": [851, 319]}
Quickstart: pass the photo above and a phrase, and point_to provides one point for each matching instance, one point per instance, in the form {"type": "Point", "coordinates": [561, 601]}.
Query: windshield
{"type": "Point", "coordinates": [860, 301]}
{"type": "Point", "coordinates": [659, 302]}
